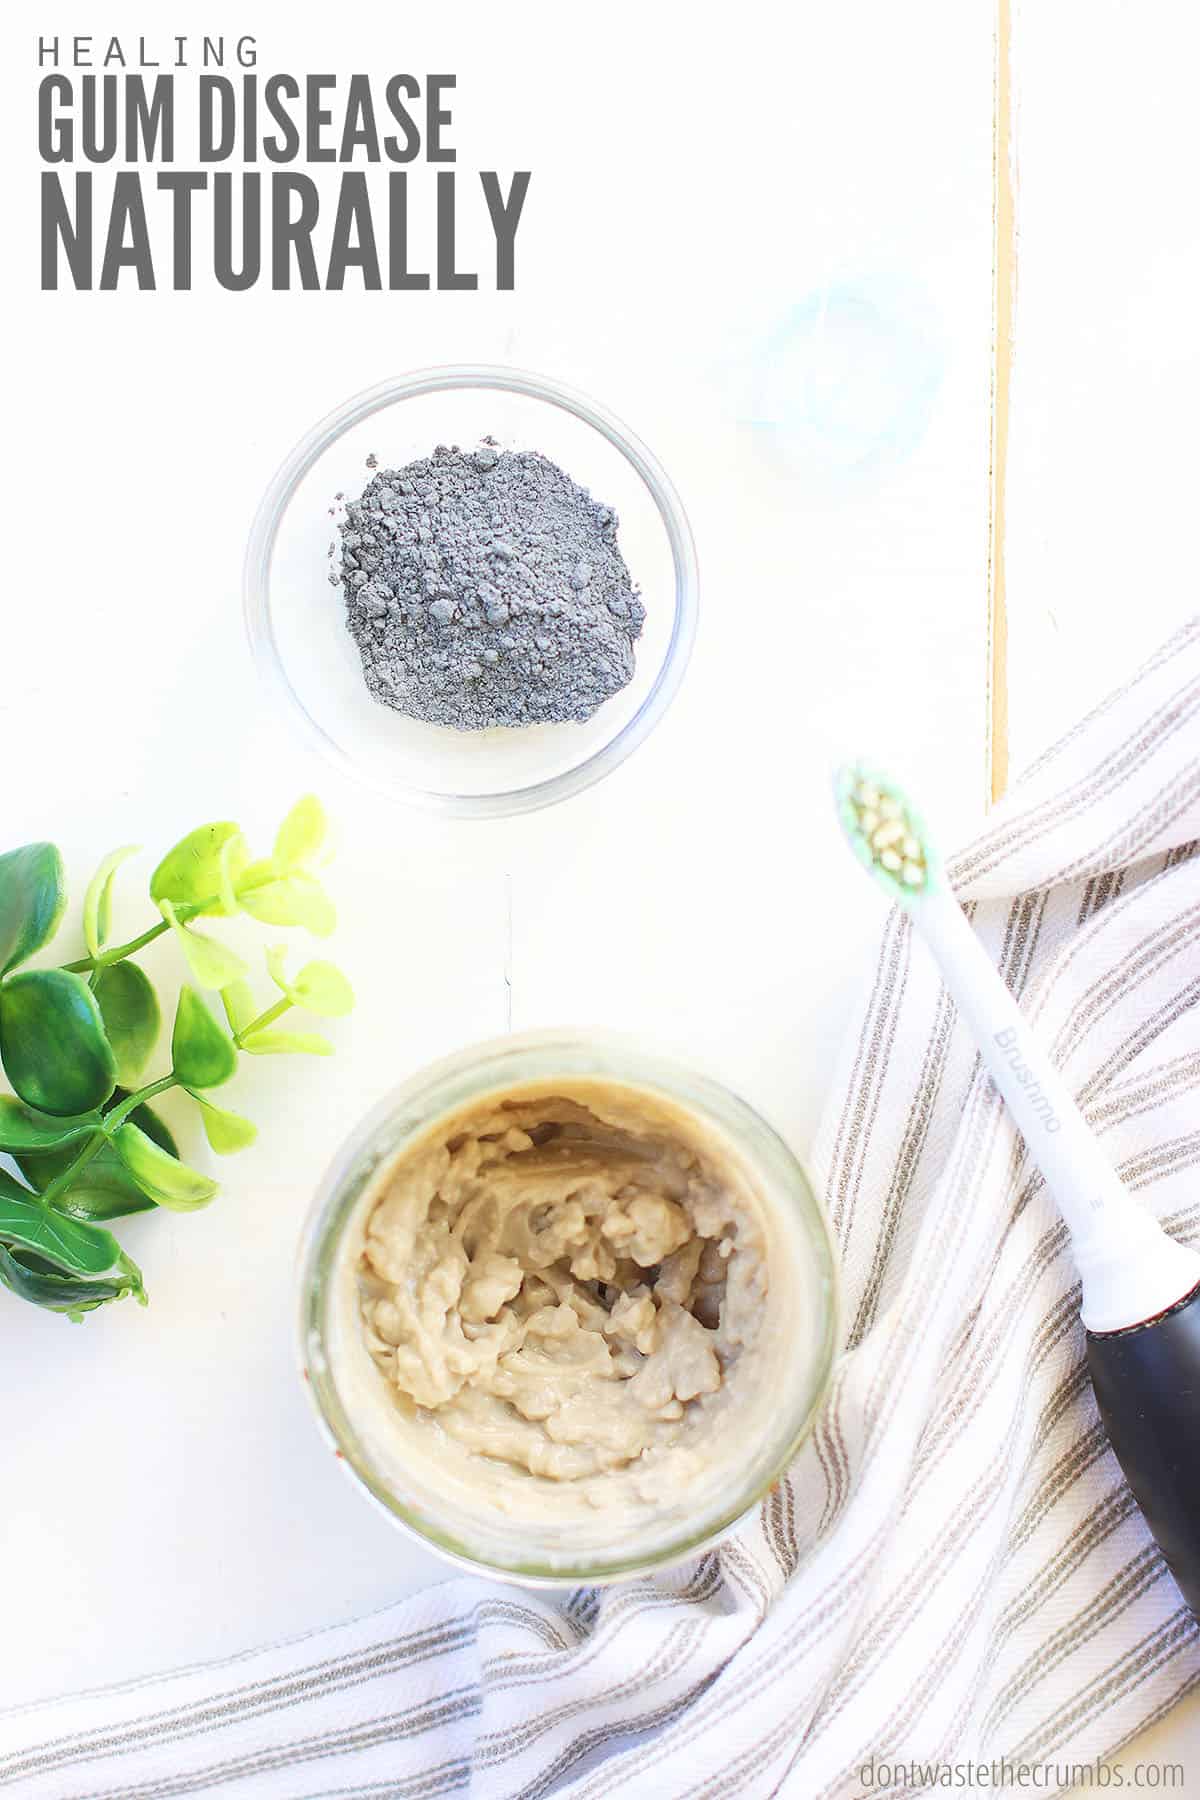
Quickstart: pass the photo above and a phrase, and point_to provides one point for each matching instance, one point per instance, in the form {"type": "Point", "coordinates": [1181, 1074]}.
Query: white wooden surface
{"type": "Point", "coordinates": [1101, 553]}
{"type": "Point", "coordinates": [1101, 546]}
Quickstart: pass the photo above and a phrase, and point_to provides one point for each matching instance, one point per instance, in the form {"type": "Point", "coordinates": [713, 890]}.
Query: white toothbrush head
{"type": "Point", "coordinates": [886, 833]}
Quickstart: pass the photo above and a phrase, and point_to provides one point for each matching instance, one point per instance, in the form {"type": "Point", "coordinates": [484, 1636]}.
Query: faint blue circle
{"type": "Point", "coordinates": [846, 385]}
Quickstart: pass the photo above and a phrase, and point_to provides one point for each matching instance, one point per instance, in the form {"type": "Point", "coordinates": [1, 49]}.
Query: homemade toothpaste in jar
{"type": "Point", "coordinates": [568, 1309]}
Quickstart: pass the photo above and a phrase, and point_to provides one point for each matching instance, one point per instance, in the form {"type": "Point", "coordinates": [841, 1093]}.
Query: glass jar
{"type": "Point", "coordinates": [358, 1409]}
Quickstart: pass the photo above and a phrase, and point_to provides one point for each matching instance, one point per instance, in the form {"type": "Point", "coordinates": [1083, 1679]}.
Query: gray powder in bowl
{"type": "Point", "coordinates": [485, 588]}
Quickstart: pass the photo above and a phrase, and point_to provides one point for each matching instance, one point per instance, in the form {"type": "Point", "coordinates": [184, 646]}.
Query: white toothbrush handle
{"type": "Point", "coordinates": [1131, 1270]}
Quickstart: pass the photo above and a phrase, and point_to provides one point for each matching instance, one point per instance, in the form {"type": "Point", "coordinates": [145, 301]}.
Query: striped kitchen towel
{"type": "Point", "coordinates": [953, 1570]}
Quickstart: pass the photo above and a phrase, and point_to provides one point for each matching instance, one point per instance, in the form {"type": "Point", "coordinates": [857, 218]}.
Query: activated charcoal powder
{"type": "Point", "coordinates": [485, 588]}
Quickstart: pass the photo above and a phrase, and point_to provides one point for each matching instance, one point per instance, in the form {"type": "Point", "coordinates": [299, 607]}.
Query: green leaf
{"type": "Point", "coordinates": [201, 1054]}
{"type": "Point", "coordinates": [225, 1131]}
{"type": "Point", "coordinates": [129, 1007]}
{"type": "Point", "coordinates": [295, 899]}
{"type": "Point", "coordinates": [320, 987]}
{"type": "Point", "coordinates": [29, 1259]}
{"type": "Point", "coordinates": [104, 1189]}
{"type": "Point", "coordinates": [281, 1043]}
{"type": "Point", "coordinates": [301, 835]}
{"type": "Point", "coordinates": [159, 1174]}
{"type": "Point", "coordinates": [239, 1004]}
{"type": "Point", "coordinates": [277, 956]}
{"type": "Point", "coordinates": [60, 1293]}
{"type": "Point", "coordinates": [190, 874]}
{"type": "Point", "coordinates": [154, 1126]}
{"type": "Point", "coordinates": [43, 1167]}
{"type": "Point", "coordinates": [69, 1244]}
{"type": "Point", "coordinates": [22, 1129]}
{"type": "Point", "coordinates": [212, 963]}
{"type": "Point", "coordinates": [52, 1042]}
{"type": "Point", "coordinates": [324, 990]}
{"type": "Point", "coordinates": [97, 902]}
{"type": "Point", "coordinates": [230, 865]}
{"type": "Point", "coordinates": [33, 893]}
{"type": "Point", "coordinates": [258, 874]}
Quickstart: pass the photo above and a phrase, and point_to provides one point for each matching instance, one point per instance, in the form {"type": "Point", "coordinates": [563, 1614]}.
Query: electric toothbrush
{"type": "Point", "coordinates": [1141, 1289]}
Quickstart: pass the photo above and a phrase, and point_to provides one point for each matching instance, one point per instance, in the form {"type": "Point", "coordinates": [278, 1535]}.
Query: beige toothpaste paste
{"type": "Point", "coordinates": [565, 1294]}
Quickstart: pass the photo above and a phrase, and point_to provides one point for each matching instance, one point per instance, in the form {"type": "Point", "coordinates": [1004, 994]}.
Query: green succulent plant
{"type": "Point", "coordinates": [84, 1141]}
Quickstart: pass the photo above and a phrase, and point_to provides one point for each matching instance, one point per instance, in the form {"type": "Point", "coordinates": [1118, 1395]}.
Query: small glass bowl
{"type": "Point", "coordinates": [296, 618]}
{"type": "Point", "coordinates": [354, 1405]}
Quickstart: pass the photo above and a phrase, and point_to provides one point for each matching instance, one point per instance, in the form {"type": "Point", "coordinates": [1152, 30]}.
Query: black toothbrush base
{"type": "Point", "coordinates": [1147, 1382]}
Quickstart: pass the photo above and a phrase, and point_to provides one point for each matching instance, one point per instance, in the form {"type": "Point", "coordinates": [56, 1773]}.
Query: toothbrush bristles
{"type": "Point", "coordinates": [884, 831]}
